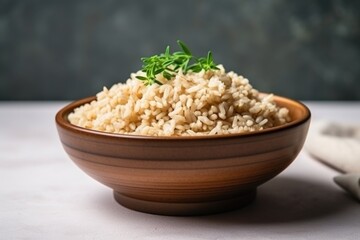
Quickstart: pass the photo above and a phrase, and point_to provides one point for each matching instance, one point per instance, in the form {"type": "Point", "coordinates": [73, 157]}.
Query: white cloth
{"type": "Point", "coordinates": [350, 182]}
{"type": "Point", "coordinates": [338, 145]}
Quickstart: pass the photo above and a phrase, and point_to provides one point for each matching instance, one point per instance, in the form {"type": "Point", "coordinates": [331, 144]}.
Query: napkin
{"type": "Point", "coordinates": [338, 145]}
{"type": "Point", "coordinates": [350, 182]}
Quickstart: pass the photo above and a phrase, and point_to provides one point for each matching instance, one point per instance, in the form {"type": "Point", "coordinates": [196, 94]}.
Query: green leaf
{"type": "Point", "coordinates": [169, 64]}
{"type": "Point", "coordinates": [167, 75]}
{"type": "Point", "coordinates": [185, 65]}
{"type": "Point", "coordinates": [141, 78]}
{"type": "Point", "coordinates": [156, 81]}
{"type": "Point", "coordinates": [195, 68]}
{"type": "Point", "coordinates": [209, 58]}
{"type": "Point", "coordinates": [184, 48]}
{"type": "Point", "coordinates": [179, 54]}
{"type": "Point", "coordinates": [167, 51]}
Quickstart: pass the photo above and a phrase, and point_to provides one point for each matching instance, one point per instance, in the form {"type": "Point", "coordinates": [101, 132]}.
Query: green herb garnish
{"type": "Point", "coordinates": [169, 64]}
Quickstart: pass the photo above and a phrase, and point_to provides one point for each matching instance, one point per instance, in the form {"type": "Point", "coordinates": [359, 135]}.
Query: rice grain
{"type": "Point", "coordinates": [204, 103]}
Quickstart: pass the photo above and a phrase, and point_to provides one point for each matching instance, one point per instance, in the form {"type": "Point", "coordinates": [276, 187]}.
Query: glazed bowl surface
{"type": "Point", "coordinates": [185, 175]}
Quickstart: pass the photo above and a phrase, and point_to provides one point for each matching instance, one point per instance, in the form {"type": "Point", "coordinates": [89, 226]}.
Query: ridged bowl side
{"type": "Point", "coordinates": [185, 175]}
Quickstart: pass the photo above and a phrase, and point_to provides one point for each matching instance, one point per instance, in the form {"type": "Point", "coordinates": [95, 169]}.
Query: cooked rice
{"type": "Point", "coordinates": [204, 103]}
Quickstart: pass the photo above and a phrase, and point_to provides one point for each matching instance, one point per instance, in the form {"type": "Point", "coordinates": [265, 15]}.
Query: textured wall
{"type": "Point", "coordinates": [70, 49]}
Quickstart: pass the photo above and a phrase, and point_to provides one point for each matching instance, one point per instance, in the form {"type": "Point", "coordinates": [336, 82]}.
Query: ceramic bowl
{"type": "Point", "coordinates": [185, 175]}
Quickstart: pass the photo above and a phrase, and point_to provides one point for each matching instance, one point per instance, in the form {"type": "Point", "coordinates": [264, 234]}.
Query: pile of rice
{"type": "Point", "coordinates": [204, 103]}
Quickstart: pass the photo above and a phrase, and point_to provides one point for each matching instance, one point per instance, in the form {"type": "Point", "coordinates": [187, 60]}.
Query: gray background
{"type": "Point", "coordinates": [64, 50]}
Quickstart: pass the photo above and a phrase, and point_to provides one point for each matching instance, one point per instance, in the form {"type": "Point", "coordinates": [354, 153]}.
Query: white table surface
{"type": "Point", "coordinates": [43, 195]}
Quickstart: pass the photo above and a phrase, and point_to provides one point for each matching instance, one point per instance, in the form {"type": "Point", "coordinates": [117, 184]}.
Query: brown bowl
{"type": "Point", "coordinates": [185, 175]}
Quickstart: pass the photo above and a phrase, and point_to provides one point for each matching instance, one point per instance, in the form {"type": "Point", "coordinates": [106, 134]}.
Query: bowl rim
{"type": "Point", "coordinates": [62, 121]}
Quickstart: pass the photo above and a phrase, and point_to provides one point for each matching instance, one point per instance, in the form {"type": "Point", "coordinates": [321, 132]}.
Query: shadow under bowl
{"type": "Point", "coordinates": [185, 175]}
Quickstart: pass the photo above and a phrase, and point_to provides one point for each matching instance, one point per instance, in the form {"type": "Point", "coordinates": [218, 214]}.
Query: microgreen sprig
{"type": "Point", "coordinates": [169, 64]}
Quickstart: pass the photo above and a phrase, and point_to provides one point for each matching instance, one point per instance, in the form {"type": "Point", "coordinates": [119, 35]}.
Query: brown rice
{"type": "Point", "coordinates": [204, 103]}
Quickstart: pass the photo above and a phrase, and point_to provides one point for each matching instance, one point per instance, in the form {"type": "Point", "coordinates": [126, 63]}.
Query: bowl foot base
{"type": "Point", "coordinates": [187, 208]}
